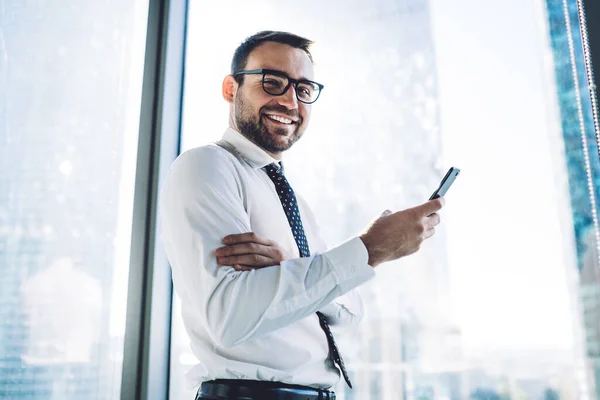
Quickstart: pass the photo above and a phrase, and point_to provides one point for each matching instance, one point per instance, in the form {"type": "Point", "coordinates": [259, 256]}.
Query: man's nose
{"type": "Point", "coordinates": [289, 99]}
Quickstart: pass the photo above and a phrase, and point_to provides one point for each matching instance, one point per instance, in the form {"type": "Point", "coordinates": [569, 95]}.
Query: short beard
{"type": "Point", "coordinates": [253, 128]}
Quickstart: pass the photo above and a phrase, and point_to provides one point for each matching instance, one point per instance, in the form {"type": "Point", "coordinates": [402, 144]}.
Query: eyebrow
{"type": "Point", "coordinates": [302, 78]}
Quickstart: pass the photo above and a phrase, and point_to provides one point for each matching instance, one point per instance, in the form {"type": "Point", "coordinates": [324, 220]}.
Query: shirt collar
{"type": "Point", "coordinates": [254, 155]}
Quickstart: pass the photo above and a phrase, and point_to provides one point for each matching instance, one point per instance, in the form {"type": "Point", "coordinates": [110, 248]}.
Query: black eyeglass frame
{"type": "Point", "coordinates": [282, 74]}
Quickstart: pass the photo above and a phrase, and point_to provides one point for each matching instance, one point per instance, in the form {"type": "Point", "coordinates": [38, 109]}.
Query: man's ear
{"type": "Point", "coordinates": [230, 86]}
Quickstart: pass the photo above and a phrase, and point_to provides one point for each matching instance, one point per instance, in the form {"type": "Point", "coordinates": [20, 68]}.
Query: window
{"type": "Point", "coordinates": [501, 301]}
{"type": "Point", "coordinates": [69, 110]}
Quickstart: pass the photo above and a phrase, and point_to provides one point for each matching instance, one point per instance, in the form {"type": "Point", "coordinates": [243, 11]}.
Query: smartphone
{"type": "Point", "coordinates": [446, 182]}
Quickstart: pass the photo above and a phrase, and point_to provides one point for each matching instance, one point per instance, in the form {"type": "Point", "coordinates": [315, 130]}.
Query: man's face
{"type": "Point", "coordinates": [274, 123]}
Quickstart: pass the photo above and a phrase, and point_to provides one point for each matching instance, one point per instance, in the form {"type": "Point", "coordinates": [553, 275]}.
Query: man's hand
{"type": "Point", "coordinates": [399, 234]}
{"type": "Point", "coordinates": [247, 251]}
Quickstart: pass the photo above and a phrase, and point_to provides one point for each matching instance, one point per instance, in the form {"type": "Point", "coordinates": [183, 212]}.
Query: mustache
{"type": "Point", "coordinates": [282, 110]}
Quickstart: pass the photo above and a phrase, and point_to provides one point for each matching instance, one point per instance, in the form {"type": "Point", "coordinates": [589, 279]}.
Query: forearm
{"type": "Point", "coordinates": [245, 305]}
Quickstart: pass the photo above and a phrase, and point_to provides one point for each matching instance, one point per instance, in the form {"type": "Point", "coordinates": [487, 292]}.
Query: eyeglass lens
{"type": "Point", "coordinates": [276, 85]}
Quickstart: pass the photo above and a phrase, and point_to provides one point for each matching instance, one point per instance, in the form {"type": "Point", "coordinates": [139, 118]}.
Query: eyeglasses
{"type": "Point", "coordinates": [277, 83]}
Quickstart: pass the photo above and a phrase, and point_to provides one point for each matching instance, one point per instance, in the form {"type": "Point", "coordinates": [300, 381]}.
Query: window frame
{"type": "Point", "coordinates": [146, 353]}
{"type": "Point", "coordinates": [146, 356]}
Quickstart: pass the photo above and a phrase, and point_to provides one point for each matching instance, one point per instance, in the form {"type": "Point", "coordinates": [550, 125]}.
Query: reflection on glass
{"type": "Point", "coordinates": [491, 306]}
{"type": "Point", "coordinates": [57, 337]}
{"type": "Point", "coordinates": [70, 80]}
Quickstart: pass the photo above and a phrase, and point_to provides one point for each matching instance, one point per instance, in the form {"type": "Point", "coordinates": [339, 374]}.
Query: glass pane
{"type": "Point", "coordinates": [70, 90]}
{"type": "Point", "coordinates": [498, 304]}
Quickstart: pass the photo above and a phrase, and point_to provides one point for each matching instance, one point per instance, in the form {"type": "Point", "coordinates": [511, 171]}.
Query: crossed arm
{"type": "Point", "coordinates": [200, 205]}
{"type": "Point", "coordinates": [248, 251]}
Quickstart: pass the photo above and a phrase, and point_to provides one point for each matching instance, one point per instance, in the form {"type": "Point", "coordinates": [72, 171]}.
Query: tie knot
{"type": "Point", "coordinates": [274, 169]}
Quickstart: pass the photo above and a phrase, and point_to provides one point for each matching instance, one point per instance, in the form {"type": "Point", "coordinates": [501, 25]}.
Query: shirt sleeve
{"type": "Point", "coordinates": [346, 311]}
{"type": "Point", "coordinates": [201, 202]}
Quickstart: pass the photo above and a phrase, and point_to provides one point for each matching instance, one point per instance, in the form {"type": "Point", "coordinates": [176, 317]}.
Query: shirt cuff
{"type": "Point", "coordinates": [350, 264]}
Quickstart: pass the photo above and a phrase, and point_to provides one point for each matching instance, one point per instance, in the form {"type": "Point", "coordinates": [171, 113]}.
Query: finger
{"type": "Point", "coordinates": [432, 206]}
{"type": "Point", "coordinates": [239, 267]}
{"type": "Point", "coordinates": [251, 260]}
{"type": "Point", "coordinates": [244, 248]}
{"type": "Point", "coordinates": [429, 233]}
{"type": "Point", "coordinates": [274, 252]}
{"type": "Point", "coordinates": [432, 220]}
{"type": "Point", "coordinates": [245, 238]}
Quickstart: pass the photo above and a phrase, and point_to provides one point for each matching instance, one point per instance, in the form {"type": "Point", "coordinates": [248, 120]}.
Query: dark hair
{"type": "Point", "coordinates": [240, 56]}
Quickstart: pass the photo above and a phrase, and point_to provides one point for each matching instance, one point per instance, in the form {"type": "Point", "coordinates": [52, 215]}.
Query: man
{"type": "Point", "coordinates": [259, 289]}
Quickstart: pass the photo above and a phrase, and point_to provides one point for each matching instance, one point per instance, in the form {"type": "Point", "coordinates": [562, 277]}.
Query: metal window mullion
{"type": "Point", "coordinates": [147, 335]}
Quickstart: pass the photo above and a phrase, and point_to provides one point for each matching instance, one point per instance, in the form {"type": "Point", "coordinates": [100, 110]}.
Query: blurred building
{"type": "Point", "coordinates": [583, 166]}
{"type": "Point", "coordinates": [64, 76]}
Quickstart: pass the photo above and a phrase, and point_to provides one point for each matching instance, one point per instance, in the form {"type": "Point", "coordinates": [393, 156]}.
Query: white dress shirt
{"type": "Point", "coordinates": [258, 324]}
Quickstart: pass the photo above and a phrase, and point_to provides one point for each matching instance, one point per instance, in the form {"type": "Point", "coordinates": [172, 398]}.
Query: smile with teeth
{"type": "Point", "coordinates": [279, 119]}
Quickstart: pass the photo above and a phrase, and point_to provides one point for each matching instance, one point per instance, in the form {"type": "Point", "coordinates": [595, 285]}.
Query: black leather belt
{"type": "Point", "coordinates": [232, 389]}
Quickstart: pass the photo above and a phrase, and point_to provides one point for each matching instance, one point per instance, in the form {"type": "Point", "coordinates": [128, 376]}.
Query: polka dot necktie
{"type": "Point", "coordinates": [290, 206]}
